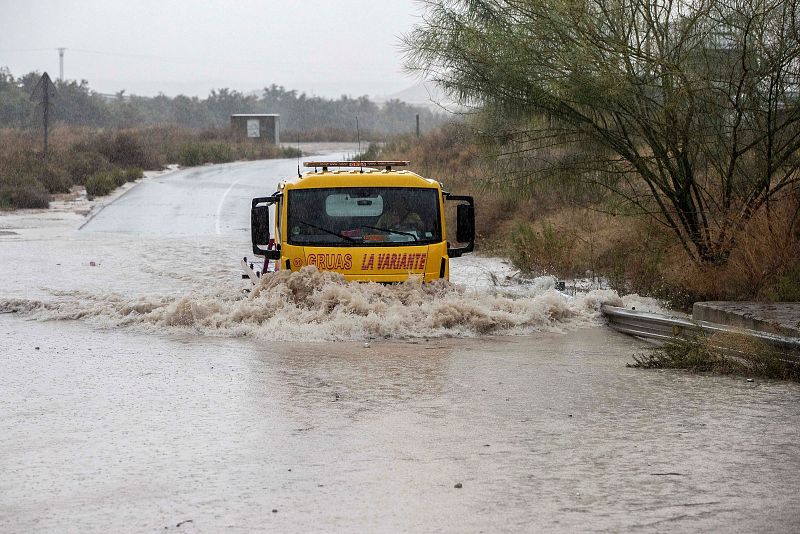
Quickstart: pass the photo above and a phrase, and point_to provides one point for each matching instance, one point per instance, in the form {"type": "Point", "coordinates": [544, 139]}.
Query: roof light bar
{"type": "Point", "coordinates": [326, 164]}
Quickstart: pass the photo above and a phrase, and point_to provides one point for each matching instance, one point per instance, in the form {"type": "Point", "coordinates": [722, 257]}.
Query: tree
{"type": "Point", "coordinates": [79, 105]}
{"type": "Point", "coordinates": [16, 109]}
{"type": "Point", "coordinates": [223, 103]}
{"type": "Point", "coordinates": [687, 110]}
{"type": "Point", "coordinates": [320, 117]}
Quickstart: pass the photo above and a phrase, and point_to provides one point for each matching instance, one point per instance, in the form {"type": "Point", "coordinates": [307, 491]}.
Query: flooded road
{"type": "Point", "coordinates": [115, 416]}
{"type": "Point", "coordinates": [107, 431]}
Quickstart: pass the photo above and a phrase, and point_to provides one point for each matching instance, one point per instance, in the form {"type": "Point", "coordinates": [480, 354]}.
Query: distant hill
{"type": "Point", "coordinates": [426, 94]}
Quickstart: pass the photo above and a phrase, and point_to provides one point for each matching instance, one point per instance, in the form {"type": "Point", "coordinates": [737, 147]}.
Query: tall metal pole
{"type": "Point", "coordinates": [46, 102]}
{"type": "Point", "coordinates": [417, 125]}
{"type": "Point", "coordinates": [61, 64]}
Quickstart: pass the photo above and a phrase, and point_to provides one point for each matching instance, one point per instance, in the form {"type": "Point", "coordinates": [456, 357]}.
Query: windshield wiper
{"type": "Point", "coordinates": [391, 231]}
{"type": "Point", "coordinates": [350, 239]}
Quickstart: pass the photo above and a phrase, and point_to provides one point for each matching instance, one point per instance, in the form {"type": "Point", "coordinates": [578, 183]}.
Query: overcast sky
{"type": "Point", "coordinates": [322, 47]}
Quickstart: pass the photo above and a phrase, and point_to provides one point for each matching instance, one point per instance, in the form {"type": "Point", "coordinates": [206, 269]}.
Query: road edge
{"type": "Point", "coordinates": [110, 199]}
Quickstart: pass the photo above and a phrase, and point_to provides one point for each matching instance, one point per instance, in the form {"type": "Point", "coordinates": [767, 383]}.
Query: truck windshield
{"type": "Point", "coordinates": [362, 216]}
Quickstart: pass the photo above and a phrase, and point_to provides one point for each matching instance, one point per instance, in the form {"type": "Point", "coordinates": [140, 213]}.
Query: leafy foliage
{"type": "Point", "coordinates": [553, 231]}
{"type": "Point", "coordinates": [687, 111]}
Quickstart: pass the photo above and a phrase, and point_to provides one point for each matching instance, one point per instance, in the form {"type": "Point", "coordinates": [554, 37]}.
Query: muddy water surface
{"type": "Point", "coordinates": [105, 430]}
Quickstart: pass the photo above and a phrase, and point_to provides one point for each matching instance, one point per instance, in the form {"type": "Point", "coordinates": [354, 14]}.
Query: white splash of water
{"type": "Point", "coordinates": [315, 306]}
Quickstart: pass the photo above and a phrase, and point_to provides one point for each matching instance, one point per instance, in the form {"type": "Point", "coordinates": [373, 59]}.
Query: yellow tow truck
{"type": "Point", "coordinates": [363, 219]}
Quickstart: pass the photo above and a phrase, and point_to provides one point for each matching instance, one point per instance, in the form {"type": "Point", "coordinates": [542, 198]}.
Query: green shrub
{"type": "Point", "coordinates": [81, 165]}
{"type": "Point", "coordinates": [219, 153]}
{"type": "Point", "coordinates": [127, 150]}
{"type": "Point", "coordinates": [18, 192]}
{"type": "Point", "coordinates": [119, 176]}
{"type": "Point", "coordinates": [691, 354]}
{"type": "Point", "coordinates": [28, 166]}
{"type": "Point", "coordinates": [786, 288]}
{"type": "Point", "coordinates": [30, 196]}
{"type": "Point", "coordinates": [371, 153]}
{"type": "Point", "coordinates": [54, 179]}
{"type": "Point", "coordinates": [198, 153]}
{"type": "Point", "coordinates": [290, 152]}
{"type": "Point", "coordinates": [542, 252]}
{"type": "Point", "coordinates": [101, 184]}
{"type": "Point", "coordinates": [722, 353]}
{"type": "Point", "coordinates": [131, 175]}
{"type": "Point", "coordinates": [190, 155]}
{"type": "Point", "coordinates": [104, 182]}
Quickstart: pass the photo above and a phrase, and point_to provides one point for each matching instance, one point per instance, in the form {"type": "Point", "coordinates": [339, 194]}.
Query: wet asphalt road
{"type": "Point", "coordinates": [209, 201]}
{"type": "Point", "coordinates": [104, 429]}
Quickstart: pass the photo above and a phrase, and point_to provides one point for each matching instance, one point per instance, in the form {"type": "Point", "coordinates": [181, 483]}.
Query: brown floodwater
{"type": "Point", "coordinates": [113, 431]}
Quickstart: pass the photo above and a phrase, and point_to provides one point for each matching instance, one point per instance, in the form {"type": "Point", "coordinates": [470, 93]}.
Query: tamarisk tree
{"type": "Point", "coordinates": [686, 110]}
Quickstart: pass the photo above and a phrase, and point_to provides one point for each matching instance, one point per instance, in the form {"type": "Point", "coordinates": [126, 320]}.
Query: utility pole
{"type": "Point", "coordinates": [417, 125]}
{"type": "Point", "coordinates": [61, 64]}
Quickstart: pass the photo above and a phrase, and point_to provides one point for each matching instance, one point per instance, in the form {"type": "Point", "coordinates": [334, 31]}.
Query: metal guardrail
{"type": "Point", "coordinates": [661, 328]}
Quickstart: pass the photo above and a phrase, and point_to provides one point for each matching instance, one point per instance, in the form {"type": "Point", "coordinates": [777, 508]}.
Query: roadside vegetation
{"type": "Point", "coordinates": [727, 354]}
{"type": "Point", "coordinates": [102, 160]}
{"type": "Point", "coordinates": [566, 230]}
{"type": "Point", "coordinates": [654, 144]}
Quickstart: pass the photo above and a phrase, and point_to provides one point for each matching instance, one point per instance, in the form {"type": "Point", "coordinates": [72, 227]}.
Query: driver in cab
{"type": "Point", "coordinates": [399, 216]}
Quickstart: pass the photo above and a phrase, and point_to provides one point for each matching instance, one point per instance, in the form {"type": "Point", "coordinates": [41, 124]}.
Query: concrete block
{"type": "Point", "coordinates": [773, 317]}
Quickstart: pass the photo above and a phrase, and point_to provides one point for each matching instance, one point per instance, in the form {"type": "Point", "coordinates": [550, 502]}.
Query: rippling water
{"type": "Point", "coordinates": [111, 430]}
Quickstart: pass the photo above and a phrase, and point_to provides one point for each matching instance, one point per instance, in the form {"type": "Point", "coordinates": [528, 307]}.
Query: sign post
{"type": "Point", "coordinates": [43, 93]}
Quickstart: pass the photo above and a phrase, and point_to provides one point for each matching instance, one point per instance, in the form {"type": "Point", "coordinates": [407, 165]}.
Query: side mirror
{"type": "Point", "coordinates": [465, 227]}
{"type": "Point", "coordinates": [465, 224]}
{"type": "Point", "coordinates": [259, 225]}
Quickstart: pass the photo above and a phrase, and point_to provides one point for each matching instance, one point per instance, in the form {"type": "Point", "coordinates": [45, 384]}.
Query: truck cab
{"type": "Point", "coordinates": [363, 219]}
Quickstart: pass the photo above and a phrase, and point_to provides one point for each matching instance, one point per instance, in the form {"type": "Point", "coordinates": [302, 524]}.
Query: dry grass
{"type": "Point", "coordinates": [765, 265]}
{"type": "Point", "coordinates": [549, 233]}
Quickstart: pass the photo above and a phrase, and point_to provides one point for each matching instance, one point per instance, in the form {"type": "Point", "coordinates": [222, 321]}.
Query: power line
{"type": "Point", "coordinates": [153, 57]}
{"type": "Point", "coordinates": [103, 53]}
{"type": "Point", "coordinates": [140, 56]}
{"type": "Point", "coordinates": [185, 59]}
{"type": "Point", "coordinates": [3, 50]}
